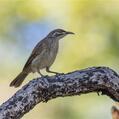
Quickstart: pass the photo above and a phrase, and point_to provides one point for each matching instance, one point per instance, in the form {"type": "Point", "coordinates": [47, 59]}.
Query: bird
{"type": "Point", "coordinates": [42, 56]}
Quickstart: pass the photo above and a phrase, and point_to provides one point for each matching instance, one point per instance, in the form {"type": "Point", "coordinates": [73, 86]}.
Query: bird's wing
{"type": "Point", "coordinates": [36, 51]}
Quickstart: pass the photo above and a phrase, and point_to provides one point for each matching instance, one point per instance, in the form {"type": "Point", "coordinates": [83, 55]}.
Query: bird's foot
{"type": "Point", "coordinates": [45, 76]}
{"type": "Point", "coordinates": [57, 74]}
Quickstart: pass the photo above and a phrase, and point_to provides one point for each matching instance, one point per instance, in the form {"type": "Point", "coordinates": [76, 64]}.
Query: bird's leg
{"type": "Point", "coordinates": [98, 93]}
{"type": "Point", "coordinates": [48, 70]}
{"type": "Point", "coordinates": [40, 73]}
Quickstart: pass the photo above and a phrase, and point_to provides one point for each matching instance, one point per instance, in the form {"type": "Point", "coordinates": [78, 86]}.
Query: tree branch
{"type": "Point", "coordinates": [95, 79]}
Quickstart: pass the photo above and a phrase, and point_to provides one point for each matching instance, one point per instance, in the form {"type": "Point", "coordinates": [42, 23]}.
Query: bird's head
{"type": "Point", "coordinates": [58, 33]}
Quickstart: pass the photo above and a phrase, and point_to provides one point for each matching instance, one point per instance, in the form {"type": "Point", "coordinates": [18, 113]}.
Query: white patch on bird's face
{"type": "Point", "coordinates": [58, 35]}
{"type": "Point", "coordinates": [55, 34]}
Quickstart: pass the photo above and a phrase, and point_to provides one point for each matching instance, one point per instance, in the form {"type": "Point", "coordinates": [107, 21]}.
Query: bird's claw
{"type": "Point", "coordinates": [57, 74]}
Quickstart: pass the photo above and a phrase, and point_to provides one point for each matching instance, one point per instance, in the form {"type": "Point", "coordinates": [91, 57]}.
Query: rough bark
{"type": "Point", "coordinates": [95, 79]}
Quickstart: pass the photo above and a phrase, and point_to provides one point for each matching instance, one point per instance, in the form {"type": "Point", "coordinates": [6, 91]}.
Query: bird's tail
{"type": "Point", "coordinates": [18, 80]}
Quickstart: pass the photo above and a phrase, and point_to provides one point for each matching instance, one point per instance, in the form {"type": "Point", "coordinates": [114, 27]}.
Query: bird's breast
{"type": "Point", "coordinates": [52, 53]}
{"type": "Point", "coordinates": [46, 57]}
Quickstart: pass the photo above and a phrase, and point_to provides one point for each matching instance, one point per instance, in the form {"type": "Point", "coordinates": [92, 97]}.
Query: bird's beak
{"type": "Point", "coordinates": [68, 32]}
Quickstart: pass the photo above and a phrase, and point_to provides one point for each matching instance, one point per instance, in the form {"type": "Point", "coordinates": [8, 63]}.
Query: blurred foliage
{"type": "Point", "coordinates": [96, 25]}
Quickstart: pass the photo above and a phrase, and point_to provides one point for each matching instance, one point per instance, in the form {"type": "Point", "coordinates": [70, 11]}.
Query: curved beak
{"type": "Point", "coordinates": [68, 32]}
